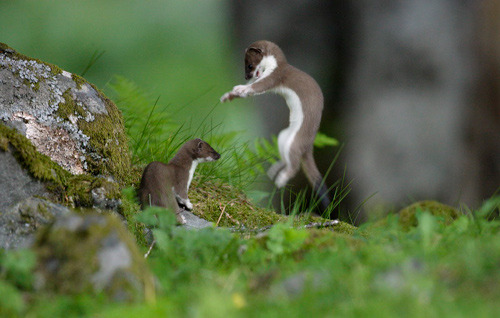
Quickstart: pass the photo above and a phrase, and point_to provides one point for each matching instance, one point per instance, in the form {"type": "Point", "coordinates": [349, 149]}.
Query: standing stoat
{"type": "Point", "coordinates": [268, 71]}
{"type": "Point", "coordinates": [167, 185]}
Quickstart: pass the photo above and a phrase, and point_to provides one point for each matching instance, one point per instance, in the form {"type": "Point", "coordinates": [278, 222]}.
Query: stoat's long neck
{"type": "Point", "coordinates": [265, 68]}
{"type": "Point", "coordinates": [194, 164]}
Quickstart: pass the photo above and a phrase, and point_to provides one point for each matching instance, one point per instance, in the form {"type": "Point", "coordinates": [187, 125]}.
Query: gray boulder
{"type": "Point", "coordinates": [19, 223]}
{"type": "Point", "coordinates": [15, 182]}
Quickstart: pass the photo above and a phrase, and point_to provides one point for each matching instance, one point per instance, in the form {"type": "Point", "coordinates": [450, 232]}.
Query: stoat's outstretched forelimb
{"type": "Point", "coordinates": [167, 185]}
{"type": "Point", "coordinates": [268, 71]}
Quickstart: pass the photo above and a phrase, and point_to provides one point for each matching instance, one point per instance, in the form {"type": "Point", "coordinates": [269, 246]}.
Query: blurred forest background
{"type": "Point", "coordinates": [411, 87]}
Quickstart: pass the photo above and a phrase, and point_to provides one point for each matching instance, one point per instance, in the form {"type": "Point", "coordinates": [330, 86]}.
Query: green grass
{"type": "Point", "coordinates": [434, 269]}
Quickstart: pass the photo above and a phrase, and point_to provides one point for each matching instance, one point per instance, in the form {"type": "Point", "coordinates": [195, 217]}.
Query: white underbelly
{"type": "Point", "coordinates": [287, 135]}
{"type": "Point", "coordinates": [194, 164]}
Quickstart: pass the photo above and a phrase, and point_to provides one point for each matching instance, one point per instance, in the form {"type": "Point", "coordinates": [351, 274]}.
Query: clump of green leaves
{"type": "Point", "coordinates": [280, 242]}
{"type": "Point", "coordinates": [16, 276]}
{"type": "Point", "coordinates": [148, 123]}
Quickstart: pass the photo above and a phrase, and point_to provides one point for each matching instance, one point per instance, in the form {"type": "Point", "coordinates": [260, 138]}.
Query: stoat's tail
{"type": "Point", "coordinates": [317, 182]}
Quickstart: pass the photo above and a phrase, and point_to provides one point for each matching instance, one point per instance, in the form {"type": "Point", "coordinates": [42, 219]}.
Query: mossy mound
{"type": "Point", "coordinates": [408, 218]}
{"type": "Point", "coordinates": [227, 206]}
{"type": "Point", "coordinates": [91, 253]}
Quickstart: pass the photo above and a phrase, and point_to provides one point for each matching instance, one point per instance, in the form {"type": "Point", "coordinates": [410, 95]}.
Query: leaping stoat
{"type": "Point", "coordinates": [268, 71]}
{"type": "Point", "coordinates": [167, 185]}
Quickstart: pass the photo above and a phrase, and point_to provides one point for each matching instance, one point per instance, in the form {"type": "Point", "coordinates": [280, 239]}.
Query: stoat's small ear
{"type": "Point", "coordinates": [254, 50]}
{"type": "Point", "coordinates": [200, 143]}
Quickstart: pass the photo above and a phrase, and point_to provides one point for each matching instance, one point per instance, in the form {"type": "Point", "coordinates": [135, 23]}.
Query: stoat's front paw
{"type": "Point", "coordinates": [241, 90]}
{"type": "Point", "coordinates": [188, 205]}
{"type": "Point", "coordinates": [238, 91]}
{"type": "Point", "coordinates": [226, 97]}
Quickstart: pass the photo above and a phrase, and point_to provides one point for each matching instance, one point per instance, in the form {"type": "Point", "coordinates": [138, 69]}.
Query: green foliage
{"type": "Point", "coordinates": [16, 275]}
{"type": "Point", "coordinates": [490, 208]}
{"type": "Point", "coordinates": [16, 267]}
{"type": "Point", "coordinates": [148, 124]}
{"type": "Point", "coordinates": [284, 240]}
{"type": "Point", "coordinates": [279, 243]}
{"type": "Point", "coordinates": [262, 153]}
{"type": "Point", "coordinates": [323, 140]}
{"type": "Point", "coordinates": [130, 209]}
{"type": "Point", "coordinates": [12, 302]}
{"type": "Point", "coordinates": [432, 269]}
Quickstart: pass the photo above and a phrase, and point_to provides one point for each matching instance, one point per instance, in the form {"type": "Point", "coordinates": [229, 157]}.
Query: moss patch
{"type": "Point", "coordinates": [218, 202]}
{"type": "Point", "coordinates": [408, 219]}
{"type": "Point", "coordinates": [107, 137]}
{"type": "Point", "coordinates": [79, 81]}
{"type": "Point", "coordinates": [129, 209]}
{"type": "Point", "coordinates": [328, 238]}
{"type": "Point", "coordinates": [69, 107]}
{"type": "Point", "coordinates": [37, 164]}
{"type": "Point", "coordinates": [66, 188]}
{"type": "Point", "coordinates": [18, 56]}
{"type": "Point", "coordinates": [210, 198]}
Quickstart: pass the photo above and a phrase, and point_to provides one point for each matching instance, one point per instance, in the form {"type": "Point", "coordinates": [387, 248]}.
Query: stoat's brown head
{"type": "Point", "coordinates": [261, 58]}
{"type": "Point", "coordinates": [202, 151]}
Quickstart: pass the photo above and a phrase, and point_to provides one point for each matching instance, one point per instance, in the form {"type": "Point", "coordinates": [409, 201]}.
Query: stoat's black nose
{"type": "Point", "coordinates": [217, 156]}
{"type": "Point", "coordinates": [248, 76]}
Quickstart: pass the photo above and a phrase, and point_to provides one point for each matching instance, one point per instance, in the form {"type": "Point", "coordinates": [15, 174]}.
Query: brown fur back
{"type": "Point", "coordinates": [156, 186]}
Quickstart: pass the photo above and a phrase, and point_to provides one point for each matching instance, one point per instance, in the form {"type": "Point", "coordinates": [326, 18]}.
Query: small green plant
{"type": "Point", "coordinates": [151, 131]}
{"type": "Point", "coordinates": [16, 276]}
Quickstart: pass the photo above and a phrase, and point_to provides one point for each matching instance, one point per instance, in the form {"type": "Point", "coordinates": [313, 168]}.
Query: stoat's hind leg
{"type": "Point", "coordinates": [180, 217]}
{"type": "Point", "coordinates": [275, 169]}
{"type": "Point", "coordinates": [291, 168]}
{"type": "Point", "coordinates": [284, 175]}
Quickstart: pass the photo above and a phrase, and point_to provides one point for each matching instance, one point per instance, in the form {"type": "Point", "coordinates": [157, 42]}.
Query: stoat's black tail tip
{"type": "Point", "coordinates": [323, 196]}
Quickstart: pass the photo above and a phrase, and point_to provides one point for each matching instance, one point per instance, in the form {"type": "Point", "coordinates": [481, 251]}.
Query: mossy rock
{"type": "Point", "coordinates": [63, 116]}
{"type": "Point", "coordinates": [91, 253]}
{"type": "Point", "coordinates": [408, 218]}
{"type": "Point", "coordinates": [62, 186]}
{"type": "Point", "coordinates": [63, 131]}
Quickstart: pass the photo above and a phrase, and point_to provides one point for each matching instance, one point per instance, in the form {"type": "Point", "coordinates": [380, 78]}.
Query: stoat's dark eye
{"type": "Point", "coordinates": [250, 66]}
